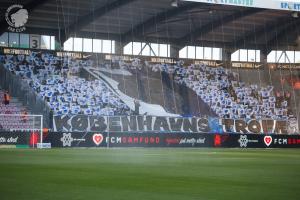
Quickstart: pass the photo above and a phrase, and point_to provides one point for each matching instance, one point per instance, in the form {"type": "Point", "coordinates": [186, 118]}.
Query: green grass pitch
{"type": "Point", "coordinates": [142, 174]}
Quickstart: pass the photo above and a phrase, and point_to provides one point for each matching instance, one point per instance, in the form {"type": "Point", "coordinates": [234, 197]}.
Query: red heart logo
{"type": "Point", "coordinates": [97, 138]}
{"type": "Point", "coordinates": [268, 140]}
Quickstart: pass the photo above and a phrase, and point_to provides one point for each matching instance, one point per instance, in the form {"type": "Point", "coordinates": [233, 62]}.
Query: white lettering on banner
{"type": "Point", "coordinates": [114, 140]}
{"type": "Point", "coordinates": [280, 141]}
{"type": "Point", "coordinates": [80, 123]}
{"type": "Point", "coordinates": [69, 54]}
{"type": "Point", "coordinates": [192, 141]}
{"type": "Point", "coordinates": [16, 51]}
{"type": "Point", "coordinates": [44, 145]}
{"type": "Point", "coordinates": [270, 4]}
{"type": "Point", "coordinates": [9, 140]}
{"type": "Point", "coordinates": [12, 140]}
{"type": "Point", "coordinates": [133, 140]}
{"type": "Point", "coordinates": [2, 140]}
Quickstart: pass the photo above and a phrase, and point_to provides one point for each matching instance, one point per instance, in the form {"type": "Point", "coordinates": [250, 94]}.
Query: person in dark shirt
{"type": "Point", "coordinates": [6, 98]}
{"type": "Point", "coordinates": [24, 116]}
{"type": "Point", "coordinates": [18, 68]}
{"type": "Point", "coordinates": [35, 70]}
{"type": "Point", "coordinates": [137, 107]}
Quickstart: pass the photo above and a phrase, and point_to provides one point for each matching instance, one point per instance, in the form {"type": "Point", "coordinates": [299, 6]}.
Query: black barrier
{"type": "Point", "coordinates": [257, 141]}
{"type": "Point", "coordinates": [129, 140]}
{"type": "Point", "coordinates": [117, 139]}
{"type": "Point", "coordinates": [79, 139]}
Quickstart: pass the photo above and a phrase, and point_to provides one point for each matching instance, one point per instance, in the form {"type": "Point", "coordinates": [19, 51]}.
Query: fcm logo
{"type": "Point", "coordinates": [276, 141]}
{"type": "Point", "coordinates": [16, 17]}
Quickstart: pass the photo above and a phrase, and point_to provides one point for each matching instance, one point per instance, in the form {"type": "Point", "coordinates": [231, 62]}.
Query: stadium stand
{"type": "Point", "coordinates": [227, 96]}
{"type": "Point", "coordinates": [57, 81]}
{"type": "Point", "coordinates": [139, 81]}
{"type": "Point", "coordinates": [13, 116]}
{"type": "Point", "coordinates": [52, 79]}
{"type": "Point", "coordinates": [222, 90]}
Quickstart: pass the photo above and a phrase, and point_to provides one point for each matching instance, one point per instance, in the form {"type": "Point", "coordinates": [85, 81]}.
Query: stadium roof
{"type": "Point", "coordinates": [157, 21]}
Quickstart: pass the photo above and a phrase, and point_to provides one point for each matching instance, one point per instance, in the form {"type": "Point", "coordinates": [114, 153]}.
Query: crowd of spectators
{"type": "Point", "coordinates": [55, 80]}
{"type": "Point", "coordinates": [223, 92]}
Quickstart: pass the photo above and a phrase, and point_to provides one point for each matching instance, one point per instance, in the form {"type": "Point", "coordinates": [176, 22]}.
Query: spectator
{"type": "Point", "coordinates": [6, 98]}
{"type": "Point", "coordinates": [24, 116]}
{"type": "Point", "coordinates": [136, 107]}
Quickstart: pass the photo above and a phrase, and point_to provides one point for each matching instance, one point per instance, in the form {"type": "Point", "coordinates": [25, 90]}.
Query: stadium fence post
{"type": "Point", "coordinates": [41, 136]}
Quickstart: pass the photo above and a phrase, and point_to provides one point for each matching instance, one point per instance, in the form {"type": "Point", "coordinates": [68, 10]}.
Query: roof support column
{"type": "Point", "coordinates": [226, 56]}
{"type": "Point", "coordinates": [119, 46]}
{"type": "Point", "coordinates": [263, 57]}
{"type": "Point", "coordinates": [265, 68]}
{"type": "Point", "coordinates": [174, 50]}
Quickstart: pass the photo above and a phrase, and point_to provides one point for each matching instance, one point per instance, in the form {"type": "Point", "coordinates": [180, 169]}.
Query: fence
{"type": "Point", "coordinates": [21, 122]}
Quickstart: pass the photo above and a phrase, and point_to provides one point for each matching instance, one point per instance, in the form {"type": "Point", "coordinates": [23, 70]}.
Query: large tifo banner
{"type": "Point", "coordinates": [154, 124]}
{"type": "Point", "coordinates": [292, 5]}
{"type": "Point", "coordinates": [195, 140]}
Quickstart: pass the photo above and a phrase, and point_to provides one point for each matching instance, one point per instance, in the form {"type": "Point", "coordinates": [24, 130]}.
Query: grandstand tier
{"type": "Point", "coordinates": [183, 61]}
{"type": "Point", "coordinates": [71, 86]}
